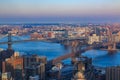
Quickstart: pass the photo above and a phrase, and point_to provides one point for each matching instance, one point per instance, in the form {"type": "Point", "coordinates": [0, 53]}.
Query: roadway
{"type": "Point", "coordinates": [55, 40]}
{"type": "Point", "coordinates": [70, 55]}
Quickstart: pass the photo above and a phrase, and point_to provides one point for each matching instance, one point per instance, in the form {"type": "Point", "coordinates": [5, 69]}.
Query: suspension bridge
{"type": "Point", "coordinates": [19, 39]}
{"type": "Point", "coordinates": [75, 43]}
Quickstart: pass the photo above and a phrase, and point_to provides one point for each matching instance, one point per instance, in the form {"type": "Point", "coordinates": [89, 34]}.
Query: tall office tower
{"type": "Point", "coordinates": [83, 69]}
{"type": "Point", "coordinates": [30, 60]}
{"type": "Point", "coordinates": [41, 71]}
{"type": "Point", "coordinates": [34, 65]}
{"type": "Point", "coordinates": [14, 65]}
{"type": "Point", "coordinates": [31, 72]}
{"type": "Point", "coordinates": [113, 73]}
{"type": "Point", "coordinates": [4, 55]}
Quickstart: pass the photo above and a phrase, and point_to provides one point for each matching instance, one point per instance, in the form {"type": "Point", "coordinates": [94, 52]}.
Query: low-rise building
{"type": "Point", "coordinates": [93, 38]}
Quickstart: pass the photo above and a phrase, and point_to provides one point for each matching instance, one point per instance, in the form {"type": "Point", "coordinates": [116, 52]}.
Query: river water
{"type": "Point", "coordinates": [52, 50]}
{"type": "Point", "coordinates": [102, 58]}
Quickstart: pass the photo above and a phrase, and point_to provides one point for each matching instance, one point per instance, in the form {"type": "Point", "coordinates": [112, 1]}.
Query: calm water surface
{"type": "Point", "coordinates": [103, 59]}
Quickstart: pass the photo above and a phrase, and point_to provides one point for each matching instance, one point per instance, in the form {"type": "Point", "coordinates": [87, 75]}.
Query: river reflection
{"type": "Point", "coordinates": [102, 58]}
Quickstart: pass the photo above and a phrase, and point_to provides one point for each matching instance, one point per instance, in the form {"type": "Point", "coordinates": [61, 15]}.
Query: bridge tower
{"type": "Point", "coordinates": [75, 50]}
{"type": "Point", "coordinates": [9, 41]}
{"type": "Point", "coordinates": [74, 45]}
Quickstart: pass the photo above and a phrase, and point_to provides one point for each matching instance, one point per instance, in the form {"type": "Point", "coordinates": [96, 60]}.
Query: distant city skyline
{"type": "Point", "coordinates": [76, 11]}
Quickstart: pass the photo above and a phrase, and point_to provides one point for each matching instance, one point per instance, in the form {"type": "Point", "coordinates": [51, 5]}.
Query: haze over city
{"type": "Point", "coordinates": [47, 11]}
{"type": "Point", "coordinates": [59, 39]}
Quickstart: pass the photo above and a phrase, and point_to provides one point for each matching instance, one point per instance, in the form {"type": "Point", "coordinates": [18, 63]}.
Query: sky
{"type": "Point", "coordinates": [59, 11]}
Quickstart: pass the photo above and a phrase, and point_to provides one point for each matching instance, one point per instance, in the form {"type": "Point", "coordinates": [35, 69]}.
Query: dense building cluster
{"type": "Point", "coordinates": [94, 32]}
{"type": "Point", "coordinates": [33, 67]}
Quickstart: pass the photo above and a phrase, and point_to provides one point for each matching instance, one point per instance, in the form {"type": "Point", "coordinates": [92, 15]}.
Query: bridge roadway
{"type": "Point", "coordinates": [28, 40]}
{"type": "Point", "coordinates": [69, 55]}
{"type": "Point", "coordinates": [55, 40]}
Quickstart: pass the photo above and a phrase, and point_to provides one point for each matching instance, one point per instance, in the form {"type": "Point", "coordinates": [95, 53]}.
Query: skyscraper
{"type": "Point", "coordinates": [113, 73]}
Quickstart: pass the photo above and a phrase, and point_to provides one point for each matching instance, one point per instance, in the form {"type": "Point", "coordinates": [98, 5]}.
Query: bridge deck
{"type": "Point", "coordinates": [70, 55]}
{"type": "Point", "coordinates": [44, 40]}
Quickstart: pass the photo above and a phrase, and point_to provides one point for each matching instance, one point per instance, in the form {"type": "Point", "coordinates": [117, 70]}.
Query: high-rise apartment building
{"type": "Point", "coordinates": [113, 73]}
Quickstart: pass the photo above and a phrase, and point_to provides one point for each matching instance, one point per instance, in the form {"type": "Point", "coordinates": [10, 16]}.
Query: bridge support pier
{"type": "Point", "coordinates": [9, 41]}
